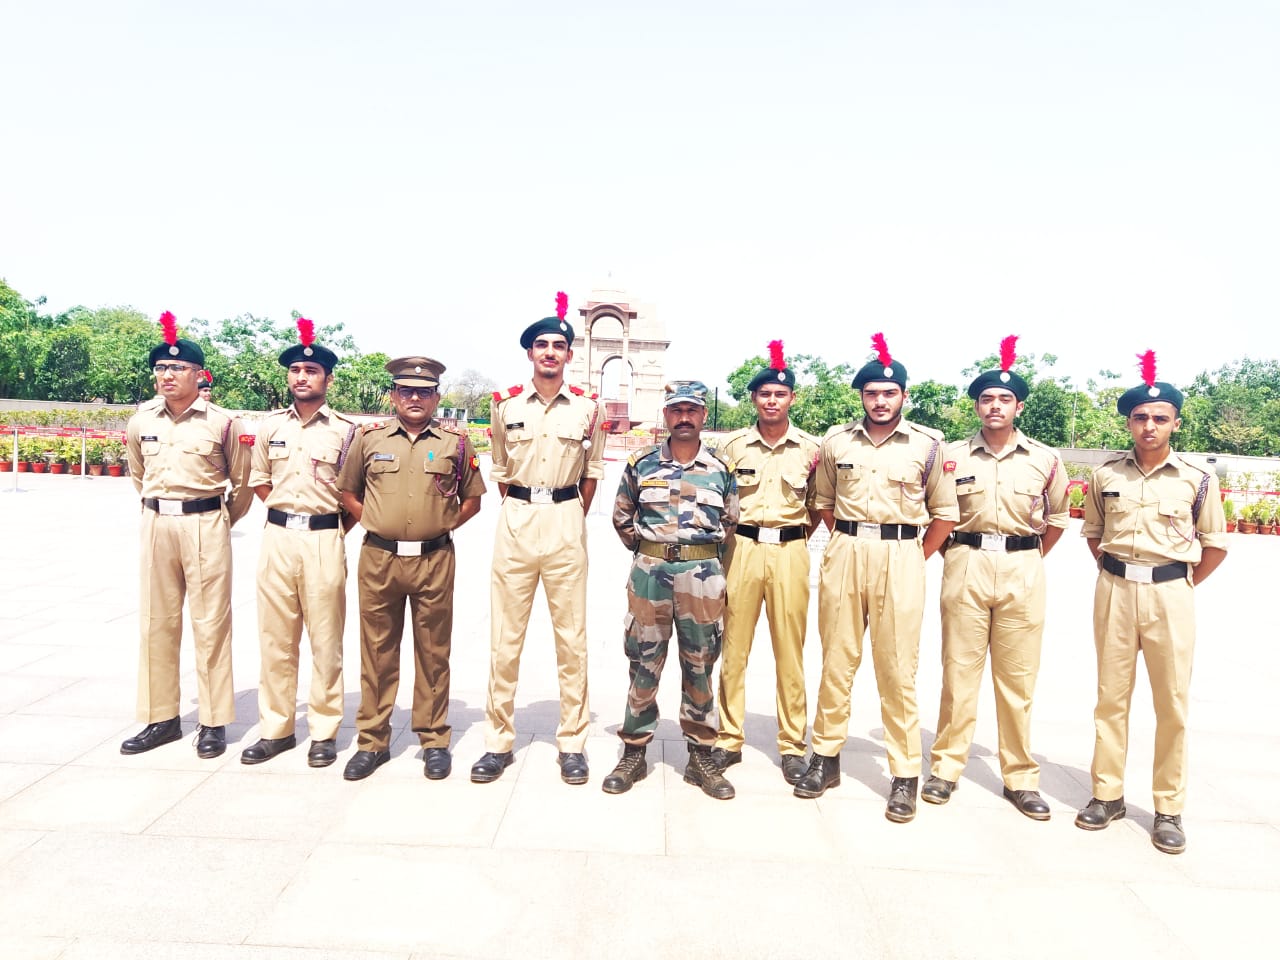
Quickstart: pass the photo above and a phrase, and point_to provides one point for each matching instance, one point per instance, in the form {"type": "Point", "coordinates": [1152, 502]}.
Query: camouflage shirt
{"type": "Point", "coordinates": [662, 500]}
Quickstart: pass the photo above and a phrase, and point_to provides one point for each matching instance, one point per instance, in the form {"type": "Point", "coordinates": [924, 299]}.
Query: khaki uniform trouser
{"type": "Point", "coordinates": [777, 575]}
{"type": "Point", "coordinates": [1159, 620]}
{"type": "Point", "coordinates": [185, 556]}
{"type": "Point", "coordinates": [302, 579]}
{"type": "Point", "coordinates": [546, 541]}
{"type": "Point", "coordinates": [876, 583]}
{"type": "Point", "coordinates": [386, 581]}
{"type": "Point", "coordinates": [990, 599]}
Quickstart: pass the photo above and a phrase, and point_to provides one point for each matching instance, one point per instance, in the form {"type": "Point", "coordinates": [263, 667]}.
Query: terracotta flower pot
{"type": "Point", "coordinates": [1248, 527]}
{"type": "Point", "coordinates": [73, 469]}
{"type": "Point", "coordinates": [39, 466]}
{"type": "Point", "coordinates": [57, 468]}
{"type": "Point", "coordinates": [1076, 512]}
{"type": "Point", "coordinates": [115, 470]}
{"type": "Point", "coordinates": [95, 469]}
{"type": "Point", "coordinates": [1231, 526]}
{"type": "Point", "coordinates": [6, 466]}
{"type": "Point", "coordinates": [24, 466]}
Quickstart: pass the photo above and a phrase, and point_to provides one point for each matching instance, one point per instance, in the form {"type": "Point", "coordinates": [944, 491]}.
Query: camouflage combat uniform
{"type": "Point", "coordinates": [693, 508]}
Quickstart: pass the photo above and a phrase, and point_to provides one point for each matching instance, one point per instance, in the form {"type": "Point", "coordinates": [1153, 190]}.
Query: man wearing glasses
{"type": "Point", "coordinates": [410, 482]}
{"type": "Point", "coordinates": [547, 459]}
{"type": "Point", "coordinates": [189, 460]}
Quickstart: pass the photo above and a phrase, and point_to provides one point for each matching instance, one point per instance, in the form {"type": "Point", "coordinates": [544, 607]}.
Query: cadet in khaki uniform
{"type": "Point", "coordinates": [773, 466]}
{"type": "Point", "coordinates": [676, 507]}
{"type": "Point", "coordinates": [1012, 494]}
{"type": "Point", "coordinates": [205, 383]}
{"type": "Point", "coordinates": [1155, 524]}
{"type": "Point", "coordinates": [302, 570]}
{"type": "Point", "coordinates": [410, 482]}
{"type": "Point", "coordinates": [547, 459]}
{"type": "Point", "coordinates": [879, 482]}
{"type": "Point", "coordinates": [190, 461]}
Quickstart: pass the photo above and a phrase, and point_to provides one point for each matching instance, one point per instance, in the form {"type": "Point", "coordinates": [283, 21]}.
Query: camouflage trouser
{"type": "Point", "coordinates": [689, 593]}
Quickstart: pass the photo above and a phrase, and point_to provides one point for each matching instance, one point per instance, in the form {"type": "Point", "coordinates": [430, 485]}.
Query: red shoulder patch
{"type": "Point", "coordinates": [475, 462]}
{"type": "Point", "coordinates": [247, 439]}
{"type": "Point", "coordinates": [949, 467]}
{"type": "Point", "coordinates": [578, 391]}
{"type": "Point", "coordinates": [514, 391]}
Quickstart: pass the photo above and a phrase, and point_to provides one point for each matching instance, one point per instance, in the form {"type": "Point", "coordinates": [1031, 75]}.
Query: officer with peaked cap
{"type": "Point", "coordinates": [879, 486]}
{"type": "Point", "coordinates": [302, 567]}
{"type": "Point", "coordinates": [189, 459]}
{"type": "Point", "coordinates": [411, 482]}
{"type": "Point", "coordinates": [1012, 496]}
{"type": "Point", "coordinates": [1154, 522]}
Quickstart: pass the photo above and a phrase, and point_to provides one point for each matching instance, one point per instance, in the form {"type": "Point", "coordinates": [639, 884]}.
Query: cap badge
{"type": "Point", "coordinates": [1004, 376]}
{"type": "Point", "coordinates": [888, 371]}
{"type": "Point", "coordinates": [417, 369]}
{"type": "Point", "coordinates": [563, 325]}
{"type": "Point", "coordinates": [307, 351]}
{"type": "Point", "coordinates": [173, 351]}
{"type": "Point", "coordinates": [782, 375]}
{"type": "Point", "coordinates": [1153, 392]}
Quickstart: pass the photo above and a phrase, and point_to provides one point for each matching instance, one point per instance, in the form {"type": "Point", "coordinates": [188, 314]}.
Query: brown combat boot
{"type": "Point", "coordinates": [631, 769]}
{"type": "Point", "coordinates": [703, 772]}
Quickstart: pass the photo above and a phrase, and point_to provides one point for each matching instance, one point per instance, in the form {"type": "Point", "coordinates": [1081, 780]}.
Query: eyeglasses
{"type": "Point", "coordinates": [160, 369]}
{"type": "Point", "coordinates": [408, 393]}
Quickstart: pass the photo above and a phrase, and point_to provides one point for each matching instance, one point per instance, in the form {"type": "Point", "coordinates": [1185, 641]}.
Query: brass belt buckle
{"type": "Point", "coordinates": [1138, 574]}
{"type": "Point", "coordinates": [408, 548]}
{"type": "Point", "coordinates": [540, 495]}
{"type": "Point", "coordinates": [671, 552]}
{"type": "Point", "coordinates": [868, 531]}
{"type": "Point", "coordinates": [992, 541]}
{"type": "Point", "coordinates": [297, 521]}
{"type": "Point", "coordinates": [169, 508]}
{"type": "Point", "coordinates": [768, 535]}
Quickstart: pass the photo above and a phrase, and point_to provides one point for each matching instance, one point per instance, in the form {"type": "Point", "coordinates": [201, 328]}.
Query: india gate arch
{"type": "Point", "coordinates": [620, 355]}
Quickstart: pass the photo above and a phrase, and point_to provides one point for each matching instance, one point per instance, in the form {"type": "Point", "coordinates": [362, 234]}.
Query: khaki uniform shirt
{"type": "Point", "coordinates": [540, 443]}
{"type": "Point", "coordinates": [202, 452]}
{"type": "Point", "coordinates": [300, 460]}
{"type": "Point", "coordinates": [1147, 518]}
{"type": "Point", "coordinates": [1019, 492]}
{"type": "Point", "coordinates": [411, 489]}
{"type": "Point", "coordinates": [886, 483]}
{"type": "Point", "coordinates": [775, 486]}
{"type": "Point", "coordinates": [665, 501]}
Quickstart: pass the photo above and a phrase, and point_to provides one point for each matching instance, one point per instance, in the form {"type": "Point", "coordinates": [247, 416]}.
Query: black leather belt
{"type": "Point", "coordinates": [771, 534]}
{"type": "Point", "coordinates": [304, 521]}
{"type": "Point", "coordinates": [407, 548]}
{"type": "Point", "coordinates": [1140, 574]}
{"type": "Point", "coordinates": [878, 531]}
{"type": "Point", "coordinates": [177, 507]}
{"type": "Point", "coordinates": [543, 494]}
{"type": "Point", "coordinates": [997, 541]}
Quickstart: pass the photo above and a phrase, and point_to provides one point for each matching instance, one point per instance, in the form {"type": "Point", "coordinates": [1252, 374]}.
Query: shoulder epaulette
{"type": "Point", "coordinates": [929, 432]}
{"type": "Point", "coordinates": [456, 431]}
{"type": "Point", "coordinates": [339, 416]}
{"type": "Point", "coordinates": [1115, 456]}
{"type": "Point", "coordinates": [718, 455]}
{"type": "Point", "coordinates": [806, 435]}
{"type": "Point", "coordinates": [578, 391]}
{"type": "Point", "coordinates": [837, 428]}
{"type": "Point", "coordinates": [1192, 464]}
{"type": "Point", "coordinates": [642, 453]}
{"type": "Point", "coordinates": [376, 425]}
{"type": "Point", "coordinates": [512, 391]}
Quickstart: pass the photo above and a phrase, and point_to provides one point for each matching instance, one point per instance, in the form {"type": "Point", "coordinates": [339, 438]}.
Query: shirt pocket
{"type": "Point", "coordinates": [1030, 496]}
{"type": "Point", "coordinates": [1177, 526]}
{"type": "Point", "coordinates": [324, 463]}
{"type": "Point", "coordinates": [850, 478]}
{"type": "Point", "coordinates": [795, 486]}
{"type": "Point", "coordinates": [208, 451]}
{"type": "Point", "coordinates": [748, 483]}
{"type": "Point", "coordinates": [149, 448]}
{"type": "Point", "coordinates": [972, 498]}
{"type": "Point", "coordinates": [442, 478]}
{"type": "Point", "coordinates": [570, 439]}
{"type": "Point", "coordinates": [384, 475]}
{"type": "Point", "coordinates": [905, 484]}
{"type": "Point", "coordinates": [708, 508]}
{"type": "Point", "coordinates": [1119, 515]}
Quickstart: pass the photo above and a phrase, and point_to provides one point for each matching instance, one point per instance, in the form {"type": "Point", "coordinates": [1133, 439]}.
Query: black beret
{"type": "Point", "coordinates": [183, 350]}
{"type": "Point", "coordinates": [1159, 390]}
{"type": "Point", "coordinates": [546, 325]}
{"type": "Point", "coordinates": [313, 353]}
{"type": "Point", "coordinates": [999, 380]}
{"type": "Point", "coordinates": [785, 377]}
{"type": "Point", "coordinates": [893, 372]}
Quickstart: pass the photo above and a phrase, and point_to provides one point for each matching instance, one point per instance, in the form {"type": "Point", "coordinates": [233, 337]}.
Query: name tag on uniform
{"type": "Point", "coordinates": [277, 443]}
{"type": "Point", "coordinates": [515, 426]}
{"type": "Point", "coordinates": [768, 535]}
{"type": "Point", "coordinates": [384, 457]}
{"type": "Point", "coordinates": [1111, 493]}
{"type": "Point", "coordinates": [653, 483]}
{"type": "Point", "coordinates": [966, 479]}
{"type": "Point", "coordinates": [844, 466]}
{"type": "Point", "coordinates": [149, 439]}
{"type": "Point", "coordinates": [746, 472]}
{"type": "Point", "coordinates": [868, 531]}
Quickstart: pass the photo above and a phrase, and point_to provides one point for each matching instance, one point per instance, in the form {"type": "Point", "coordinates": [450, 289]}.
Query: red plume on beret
{"type": "Point", "coordinates": [776, 360]}
{"type": "Point", "coordinates": [1147, 364]}
{"type": "Point", "coordinates": [881, 348]}
{"type": "Point", "coordinates": [169, 324]}
{"type": "Point", "coordinates": [1007, 355]}
{"type": "Point", "coordinates": [562, 304]}
{"type": "Point", "coordinates": [306, 332]}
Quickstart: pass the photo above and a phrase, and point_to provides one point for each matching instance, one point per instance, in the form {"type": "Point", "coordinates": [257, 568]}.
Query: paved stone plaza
{"type": "Point", "coordinates": [164, 855]}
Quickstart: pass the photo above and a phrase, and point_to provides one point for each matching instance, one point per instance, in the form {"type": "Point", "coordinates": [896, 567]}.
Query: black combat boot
{"type": "Point", "coordinates": [902, 799]}
{"type": "Point", "coordinates": [631, 769]}
{"type": "Point", "coordinates": [703, 772]}
{"type": "Point", "coordinates": [822, 775]}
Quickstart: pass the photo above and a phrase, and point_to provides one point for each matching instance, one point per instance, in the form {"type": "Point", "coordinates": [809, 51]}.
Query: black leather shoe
{"type": "Point", "coordinates": [489, 767]}
{"type": "Point", "coordinates": [631, 769]}
{"type": "Point", "coordinates": [937, 790]}
{"type": "Point", "coordinates": [724, 759]}
{"type": "Point", "coordinates": [322, 753]}
{"type": "Point", "coordinates": [436, 763]}
{"type": "Point", "coordinates": [153, 735]}
{"type": "Point", "coordinates": [901, 807]}
{"type": "Point", "coordinates": [266, 749]}
{"type": "Point", "coordinates": [210, 741]}
{"type": "Point", "coordinates": [1167, 835]}
{"type": "Point", "coordinates": [1029, 803]}
{"type": "Point", "coordinates": [573, 767]}
{"type": "Point", "coordinates": [701, 771]}
{"type": "Point", "coordinates": [1098, 813]}
{"type": "Point", "coordinates": [364, 762]}
{"type": "Point", "coordinates": [822, 775]}
{"type": "Point", "coordinates": [793, 768]}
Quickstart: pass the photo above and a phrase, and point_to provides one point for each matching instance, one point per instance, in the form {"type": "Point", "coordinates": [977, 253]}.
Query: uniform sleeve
{"type": "Point", "coordinates": [595, 455]}
{"type": "Point", "coordinates": [1057, 513]}
{"type": "Point", "coordinates": [1092, 529]}
{"type": "Point", "coordinates": [824, 478]}
{"type": "Point", "coordinates": [239, 462]}
{"type": "Point", "coordinates": [351, 477]}
{"type": "Point", "coordinates": [260, 463]}
{"type": "Point", "coordinates": [940, 491]}
{"type": "Point", "coordinates": [133, 450]}
{"type": "Point", "coordinates": [732, 509]}
{"type": "Point", "coordinates": [1211, 527]}
{"type": "Point", "coordinates": [472, 484]}
{"type": "Point", "coordinates": [498, 445]}
{"type": "Point", "coordinates": [624, 507]}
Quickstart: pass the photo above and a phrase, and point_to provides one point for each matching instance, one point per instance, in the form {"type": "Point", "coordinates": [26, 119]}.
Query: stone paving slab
{"type": "Point", "coordinates": [165, 855]}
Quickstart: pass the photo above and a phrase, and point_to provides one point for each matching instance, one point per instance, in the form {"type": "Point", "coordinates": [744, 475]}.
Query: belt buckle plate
{"type": "Point", "coordinates": [671, 552]}
{"type": "Point", "coordinates": [868, 531]}
{"type": "Point", "coordinates": [408, 548]}
{"type": "Point", "coordinates": [540, 495]}
{"type": "Point", "coordinates": [1138, 574]}
{"type": "Point", "coordinates": [768, 535]}
{"type": "Point", "coordinates": [992, 541]}
{"type": "Point", "coordinates": [297, 521]}
{"type": "Point", "coordinates": [169, 508]}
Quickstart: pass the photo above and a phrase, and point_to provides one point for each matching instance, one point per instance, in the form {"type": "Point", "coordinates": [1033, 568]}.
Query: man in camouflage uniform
{"type": "Point", "coordinates": [1154, 522]}
{"type": "Point", "coordinates": [410, 482]}
{"type": "Point", "coordinates": [879, 483]}
{"type": "Point", "coordinates": [769, 563]}
{"type": "Point", "coordinates": [1012, 494]}
{"type": "Point", "coordinates": [676, 505]}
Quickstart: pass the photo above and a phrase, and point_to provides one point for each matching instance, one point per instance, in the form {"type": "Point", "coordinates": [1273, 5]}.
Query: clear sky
{"type": "Point", "coordinates": [1097, 177]}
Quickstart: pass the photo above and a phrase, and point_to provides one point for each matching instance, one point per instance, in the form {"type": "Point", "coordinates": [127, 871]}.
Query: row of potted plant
{"type": "Point", "coordinates": [1261, 516]}
{"type": "Point", "coordinates": [37, 454]}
